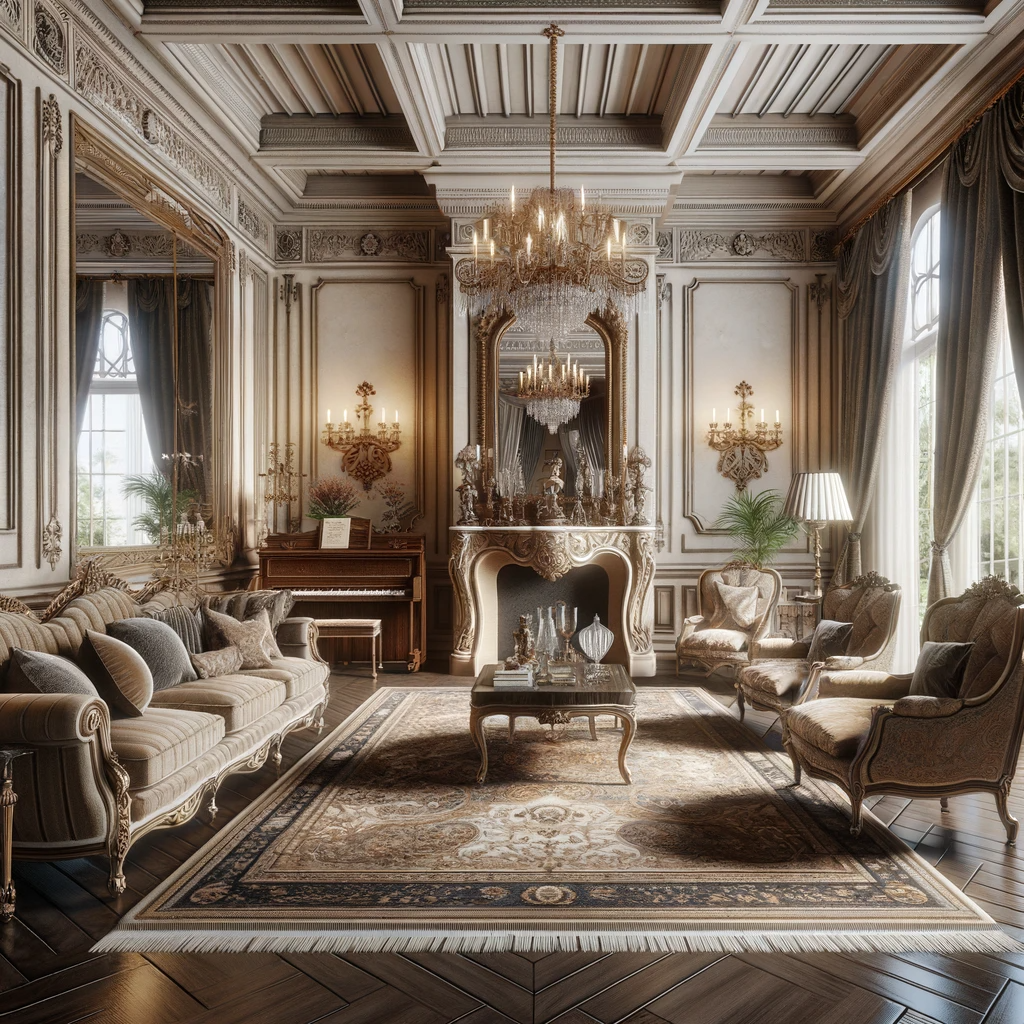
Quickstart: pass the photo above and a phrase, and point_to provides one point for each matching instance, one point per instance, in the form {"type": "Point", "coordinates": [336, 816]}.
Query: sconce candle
{"type": "Point", "coordinates": [743, 452]}
{"type": "Point", "coordinates": [364, 455]}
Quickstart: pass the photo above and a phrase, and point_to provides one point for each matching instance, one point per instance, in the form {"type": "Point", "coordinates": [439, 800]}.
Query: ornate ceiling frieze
{"type": "Point", "coordinates": [135, 245]}
{"type": "Point", "coordinates": [773, 136]}
{"type": "Point", "coordinates": [695, 246]}
{"type": "Point", "coordinates": [253, 222]}
{"type": "Point", "coordinates": [326, 246]}
{"type": "Point", "coordinates": [288, 245]}
{"type": "Point", "coordinates": [646, 135]}
{"type": "Point", "coordinates": [51, 38]}
{"type": "Point", "coordinates": [283, 132]}
{"type": "Point", "coordinates": [10, 12]}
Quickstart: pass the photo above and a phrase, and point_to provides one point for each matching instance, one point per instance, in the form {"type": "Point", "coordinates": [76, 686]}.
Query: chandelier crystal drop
{"type": "Point", "coordinates": [553, 390]}
{"type": "Point", "coordinates": [553, 258]}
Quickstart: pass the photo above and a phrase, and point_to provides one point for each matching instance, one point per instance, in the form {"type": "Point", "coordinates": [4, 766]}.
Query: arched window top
{"type": "Point", "coordinates": [114, 359]}
{"type": "Point", "coordinates": [923, 315]}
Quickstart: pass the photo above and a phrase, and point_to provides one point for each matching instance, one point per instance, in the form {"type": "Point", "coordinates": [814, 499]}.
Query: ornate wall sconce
{"type": "Point", "coordinates": [280, 481]}
{"type": "Point", "coordinates": [743, 453]}
{"type": "Point", "coordinates": [366, 456]}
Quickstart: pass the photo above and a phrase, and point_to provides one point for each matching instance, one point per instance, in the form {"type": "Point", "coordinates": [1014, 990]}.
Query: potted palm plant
{"type": "Point", "coordinates": [757, 523]}
{"type": "Point", "coordinates": [155, 492]}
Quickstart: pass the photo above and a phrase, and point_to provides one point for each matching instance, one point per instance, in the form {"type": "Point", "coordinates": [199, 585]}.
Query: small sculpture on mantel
{"type": "Point", "coordinates": [549, 510]}
{"type": "Point", "coordinates": [584, 474]}
{"type": "Point", "coordinates": [525, 653]}
{"type": "Point", "coordinates": [636, 467]}
{"type": "Point", "coordinates": [468, 464]}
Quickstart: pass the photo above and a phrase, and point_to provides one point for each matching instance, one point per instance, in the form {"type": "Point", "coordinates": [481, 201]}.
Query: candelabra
{"type": "Point", "coordinates": [743, 453]}
{"type": "Point", "coordinates": [280, 482]}
{"type": "Point", "coordinates": [365, 456]}
{"type": "Point", "coordinates": [636, 467]}
{"type": "Point", "coordinates": [468, 464]}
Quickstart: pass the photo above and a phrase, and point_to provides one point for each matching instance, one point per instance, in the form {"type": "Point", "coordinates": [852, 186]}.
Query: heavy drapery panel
{"type": "Point", "coordinates": [591, 424]}
{"type": "Point", "coordinates": [510, 429]}
{"type": "Point", "coordinates": [88, 319]}
{"type": "Point", "coordinates": [981, 234]}
{"type": "Point", "coordinates": [151, 320]}
{"type": "Point", "coordinates": [872, 279]}
{"type": "Point", "coordinates": [567, 433]}
{"type": "Point", "coordinates": [531, 445]}
{"type": "Point", "coordinates": [195, 389]}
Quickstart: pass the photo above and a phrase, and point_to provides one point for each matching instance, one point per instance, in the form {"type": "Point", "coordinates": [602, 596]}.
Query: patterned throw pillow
{"type": "Point", "coordinates": [270, 648]}
{"type": "Point", "coordinates": [36, 672]}
{"type": "Point", "coordinates": [737, 607]}
{"type": "Point", "coordinates": [217, 663]}
{"type": "Point", "coordinates": [242, 604]}
{"type": "Point", "coordinates": [829, 640]}
{"type": "Point", "coordinates": [186, 622]}
{"type": "Point", "coordinates": [248, 637]}
{"type": "Point", "coordinates": [161, 648]}
{"type": "Point", "coordinates": [940, 669]}
{"type": "Point", "coordinates": [120, 674]}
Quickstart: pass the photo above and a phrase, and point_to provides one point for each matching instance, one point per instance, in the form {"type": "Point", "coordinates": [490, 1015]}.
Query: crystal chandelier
{"type": "Point", "coordinates": [553, 259]}
{"type": "Point", "coordinates": [553, 390]}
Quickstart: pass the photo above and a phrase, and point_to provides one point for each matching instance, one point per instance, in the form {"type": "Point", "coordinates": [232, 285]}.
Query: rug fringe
{"type": "Point", "coordinates": [370, 941]}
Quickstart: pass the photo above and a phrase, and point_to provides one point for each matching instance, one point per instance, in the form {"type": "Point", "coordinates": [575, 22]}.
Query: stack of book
{"type": "Point", "coordinates": [562, 674]}
{"type": "Point", "coordinates": [513, 678]}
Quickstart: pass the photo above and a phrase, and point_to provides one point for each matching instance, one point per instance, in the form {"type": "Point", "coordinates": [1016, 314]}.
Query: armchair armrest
{"type": "Point", "coordinates": [49, 719]}
{"type": "Point", "coordinates": [863, 683]}
{"type": "Point", "coordinates": [921, 706]}
{"type": "Point", "coordinates": [781, 647]}
{"type": "Point", "coordinates": [842, 663]}
{"type": "Point", "coordinates": [690, 626]}
{"type": "Point", "coordinates": [297, 638]}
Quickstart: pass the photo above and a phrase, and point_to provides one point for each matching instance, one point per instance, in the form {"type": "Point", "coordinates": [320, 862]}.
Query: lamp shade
{"type": "Point", "coordinates": [817, 498]}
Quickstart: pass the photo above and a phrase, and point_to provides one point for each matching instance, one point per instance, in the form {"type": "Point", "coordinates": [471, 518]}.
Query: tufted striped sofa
{"type": "Point", "coordinates": [95, 785]}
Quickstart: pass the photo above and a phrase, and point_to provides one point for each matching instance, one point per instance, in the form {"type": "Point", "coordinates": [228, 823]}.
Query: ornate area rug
{"type": "Point", "coordinates": [380, 840]}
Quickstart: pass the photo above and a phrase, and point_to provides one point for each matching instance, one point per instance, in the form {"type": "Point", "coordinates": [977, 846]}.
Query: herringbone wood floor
{"type": "Point", "coordinates": [48, 975]}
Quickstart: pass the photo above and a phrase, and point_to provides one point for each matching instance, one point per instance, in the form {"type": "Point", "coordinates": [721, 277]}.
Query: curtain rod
{"type": "Point", "coordinates": [931, 162]}
{"type": "Point", "coordinates": [116, 276]}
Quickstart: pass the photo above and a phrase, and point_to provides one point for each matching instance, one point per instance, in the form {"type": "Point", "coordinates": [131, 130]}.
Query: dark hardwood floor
{"type": "Point", "coordinates": [48, 975]}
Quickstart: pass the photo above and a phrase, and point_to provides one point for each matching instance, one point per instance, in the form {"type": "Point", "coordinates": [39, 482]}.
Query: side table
{"type": "Point", "coordinates": [8, 798]}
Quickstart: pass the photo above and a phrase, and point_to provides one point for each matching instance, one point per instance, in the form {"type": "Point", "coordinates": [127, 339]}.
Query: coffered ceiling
{"type": "Point", "coordinates": [680, 108]}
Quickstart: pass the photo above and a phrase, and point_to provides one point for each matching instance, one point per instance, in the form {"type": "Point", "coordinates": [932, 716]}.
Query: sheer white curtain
{"type": "Point", "coordinates": [890, 542]}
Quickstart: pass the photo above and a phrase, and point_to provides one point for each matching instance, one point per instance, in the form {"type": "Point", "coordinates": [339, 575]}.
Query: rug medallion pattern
{"type": "Point", "coordinates": [383, 828]}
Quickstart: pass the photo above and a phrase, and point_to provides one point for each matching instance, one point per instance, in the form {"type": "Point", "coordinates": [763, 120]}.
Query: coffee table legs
{"type": "Point", "coordinates": [8, 798]}
{"type": "Point", "coordinates": [477, 717]}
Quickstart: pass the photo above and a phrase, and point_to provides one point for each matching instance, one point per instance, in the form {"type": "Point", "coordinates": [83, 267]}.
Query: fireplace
{"type": "Point", "coordinates": [624, 553]}
{"type": "Point", "coordinates": [523, 589]}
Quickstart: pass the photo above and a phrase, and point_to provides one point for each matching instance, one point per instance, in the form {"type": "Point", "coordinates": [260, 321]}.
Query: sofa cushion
{"type": "Point", "coordinates": [186, 622]}
{"type": "Point", "coordinates": [163, 740]}
{"type": "Point", "coordinates": [36, 672]}
{"type": "Point", "coordinates": [238, 699]}
{"type": "Point", "coordinates": [716, 640]}
{"type": "Point", "coordinates": [223, 662]}
{"type": "Point", "coordinates": [120, 674]}
{"type": "Point", "coordinates": [836, 725]}
{"type": "Point", "coordinates": [161, 649]}
{"type": "Point", "coordinates": [298, 674]}
{"type": "Point", "coordinates": [225, 631]}
{"type": "Point", "coordinates": [781, 678]}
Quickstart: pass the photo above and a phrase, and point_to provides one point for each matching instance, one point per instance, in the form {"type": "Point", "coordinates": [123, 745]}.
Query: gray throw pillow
{"type": "Point", "coordinates": [186, 622]}
{"type": "Point", "coordinates": [36, 672]}
{"type": "Point", "coordinates": [119, 673]}
{"type": "Point", "coordinates": [161, 649]}
{"type": "Point", "coordinates": [243, 604]}
{"type": "Point", "coordinates": [940, 669]}
{"type": "Point", "coordinates": [829, 640]}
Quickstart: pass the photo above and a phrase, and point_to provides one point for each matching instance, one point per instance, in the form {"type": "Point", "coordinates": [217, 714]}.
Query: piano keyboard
{"type": "Point", "coordinates": [350, 592]}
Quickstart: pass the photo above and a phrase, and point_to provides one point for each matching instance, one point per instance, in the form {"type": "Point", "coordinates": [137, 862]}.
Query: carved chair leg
{"type": "Point", "coordinates": [275, 751]}
{"type": "Point", "coordinates": [856, 809]}
{"type": "Point", "coordinates": [211, 807]}
{"type": "Point", "coordinates": [1010, 823]}
{"type": "Point", "coordinates": [740, 703]}
{"type": "Point", "coordinates": [943, 803]}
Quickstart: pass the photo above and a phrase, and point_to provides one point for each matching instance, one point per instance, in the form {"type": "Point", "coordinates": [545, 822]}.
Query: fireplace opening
{"type": "Point", "coordinates": [521, 589]}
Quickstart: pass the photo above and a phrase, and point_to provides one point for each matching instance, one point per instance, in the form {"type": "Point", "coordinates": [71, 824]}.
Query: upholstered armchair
{"type": "Point", "coordinates": [868, 735]}
{"type": "Point", "coordinates": [783, 671]}
{"type": "Point", "coordinates": [734, 610]}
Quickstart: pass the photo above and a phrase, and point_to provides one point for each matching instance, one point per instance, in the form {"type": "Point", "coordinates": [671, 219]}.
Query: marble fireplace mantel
{"type": "Point", "coordinates": [625, 552]}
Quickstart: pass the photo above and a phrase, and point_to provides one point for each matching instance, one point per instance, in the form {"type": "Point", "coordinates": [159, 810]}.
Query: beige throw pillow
{"type": "Point", "coordinates": [248, 637]}
{"type": "Point", "coordinates": [119, 673]}
{"type": "Point", "coordinates": [270, 648]}
{"type": "Point", "coordinates": [737, 607]}
{"type": "Point", "coordinates": [217, 663]}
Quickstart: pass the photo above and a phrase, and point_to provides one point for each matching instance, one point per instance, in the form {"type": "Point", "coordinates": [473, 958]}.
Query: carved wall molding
{"type": "Point", "coordinates": [665, 247]}
{"type": "Point", "coordinates": [823, 246]}
{"type": "Point", "coordinates": [137, 245]}
{"type": "Point", "coordinates": [511, 341]}
{"type": "Point", "coordinates": [332, 246]}
{"type": "Point", "coordinates": [570, 136]}
{"type": "Point", "coordinates": [288, 245]}
{"type": "Point", "coordinates": [10, 12]}
{"type": "Point", "coordinates": [50, 38]}
{"type": "Point", "coordinates": [551, 552]}
{"type": "Point", "coordinates": [770, 136]}
{"type": "Point", "coordinates": [694, 246]}
{"type": "Point", "coordinates": [252, 222]}
{"type": "Point", "coordinates": [283, 132]}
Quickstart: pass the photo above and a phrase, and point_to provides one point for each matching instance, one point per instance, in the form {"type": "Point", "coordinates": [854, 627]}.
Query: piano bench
{"type": "Point", "coordinates": [366, 629]}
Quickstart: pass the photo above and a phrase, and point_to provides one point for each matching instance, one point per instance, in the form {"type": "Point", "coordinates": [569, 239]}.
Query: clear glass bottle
{"type": "Point", "coordinates": [546, 643]}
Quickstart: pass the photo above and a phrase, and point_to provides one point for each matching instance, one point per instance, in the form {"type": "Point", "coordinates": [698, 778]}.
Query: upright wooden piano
{"type": "Point", "coordinates": [384, 581]}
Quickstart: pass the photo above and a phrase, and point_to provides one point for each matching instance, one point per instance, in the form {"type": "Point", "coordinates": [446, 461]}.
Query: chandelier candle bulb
{"type": "Point", "coordinates": [583, 199]}
{"type": "Point", "coordinates": [512, 198]}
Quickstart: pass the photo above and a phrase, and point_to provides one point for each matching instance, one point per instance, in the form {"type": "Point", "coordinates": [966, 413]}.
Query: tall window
{"type": "Point", "coordinates": [922, 331]}
{"type": "Point", "coordinates": [1002, 475]}
{"type": "Point", "coordinates": [113, 442]}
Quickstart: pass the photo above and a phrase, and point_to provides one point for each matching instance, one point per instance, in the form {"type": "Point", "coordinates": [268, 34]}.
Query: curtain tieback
{"type": "Point", "coordinates": [853, 536]}
{"type": "Point", "coordinates": [938, 548]}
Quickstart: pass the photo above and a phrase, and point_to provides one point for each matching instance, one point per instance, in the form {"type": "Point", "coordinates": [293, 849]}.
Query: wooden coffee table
{"type": "Point", "coordinates": [613, 694]}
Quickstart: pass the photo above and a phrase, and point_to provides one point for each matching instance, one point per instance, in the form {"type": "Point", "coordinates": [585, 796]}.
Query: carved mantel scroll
{"type": "Point", "coordinates": [625, 552]}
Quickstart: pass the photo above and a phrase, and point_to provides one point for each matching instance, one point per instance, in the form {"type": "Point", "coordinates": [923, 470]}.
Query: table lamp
{"type": "Point", "coordinates": [817, 499]}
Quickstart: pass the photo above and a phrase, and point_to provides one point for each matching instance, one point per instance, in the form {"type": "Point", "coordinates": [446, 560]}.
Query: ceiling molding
{"type": "Point", "coordinates": [325, 132]}
{"type": "Point", "coordinates": [594, 133]}
{"type": "Point", "coordinates": [776, 132]}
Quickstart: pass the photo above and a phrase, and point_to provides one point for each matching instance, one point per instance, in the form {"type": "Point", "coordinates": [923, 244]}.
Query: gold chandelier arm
{"type": "Point", "coordinates": [553, 32]}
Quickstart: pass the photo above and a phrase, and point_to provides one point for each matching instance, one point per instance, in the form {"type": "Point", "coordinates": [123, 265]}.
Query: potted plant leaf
{"type": "Point", "coordinates": [757, 523]}
{"type": "Point", "coordinates": [154, 491]}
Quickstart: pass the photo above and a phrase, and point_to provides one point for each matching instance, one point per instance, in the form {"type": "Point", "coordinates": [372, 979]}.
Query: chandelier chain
{"type": "Point", "coordinates": [553, 32]}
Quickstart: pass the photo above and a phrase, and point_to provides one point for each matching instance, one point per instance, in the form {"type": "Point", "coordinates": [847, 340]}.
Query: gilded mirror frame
{"type": "Point", "coordinates": [610, 327]}
{"type": "Point", "coordinates": [160, 202]}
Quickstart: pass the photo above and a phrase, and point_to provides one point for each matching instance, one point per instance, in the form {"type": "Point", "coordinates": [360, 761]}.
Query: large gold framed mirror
{"type": "Point", "coordinates": [149, 377]}
{"type": "Point", "coordinates": [504, 425]}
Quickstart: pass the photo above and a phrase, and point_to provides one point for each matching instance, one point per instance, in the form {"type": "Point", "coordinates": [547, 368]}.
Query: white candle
{"type": "Point", "coordinates": [345, 415]}
{"type": "Point", "coordinates": [583, 199]}
{"type": "Point", "coordinates": [714, 417]}
{"type": "Point", "coordinates": [609, 249]}
{"type": "Point", "coordinates": [728, 415]}
{"type": "Point", "coordinates": [762, 415]}
{"type": "Point", "coordinates": [328, 415]}
{"type": "Point", "coordinates": [512, 198]}
{"type": "Point", "coordinates": [776, 415]}
{"type": "Point", "coordinates": [478, 453]}
{"type": "Point", "coordinates": [396, 416]}
{"type": "Point", "coordinates": [529, 246]}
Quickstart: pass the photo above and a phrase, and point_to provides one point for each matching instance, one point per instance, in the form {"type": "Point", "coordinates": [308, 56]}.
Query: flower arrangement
{"type": "Point", "coordinates": [399, 514]}
{"type": "Point", "coordinates": [331, 497]}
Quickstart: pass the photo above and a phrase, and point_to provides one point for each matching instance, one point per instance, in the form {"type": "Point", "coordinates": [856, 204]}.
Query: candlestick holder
{"type": "Point", "coordinates": [365, 455]}
{"type": "Point", "coordinates": [743, 453]}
